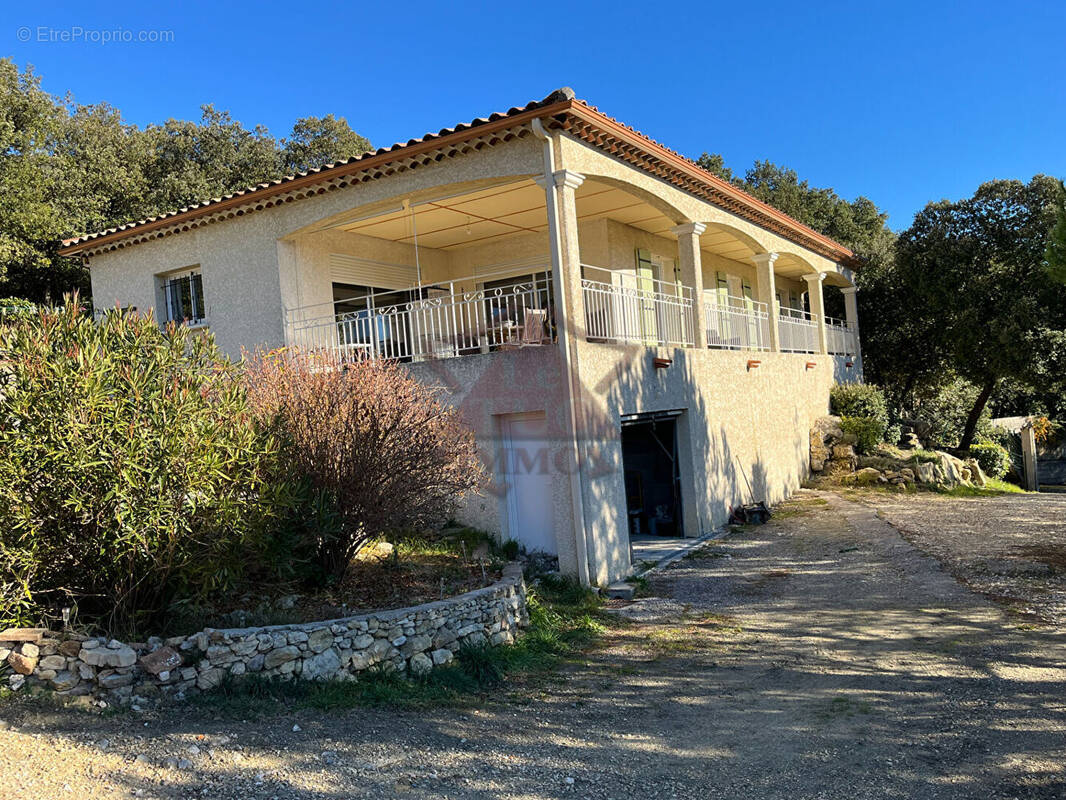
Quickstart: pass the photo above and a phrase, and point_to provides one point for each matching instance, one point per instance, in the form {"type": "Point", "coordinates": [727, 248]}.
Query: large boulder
{"type": "Point", "coordinates": [825, 432]}
{"type": "Point", "coordinates": [977, 475]}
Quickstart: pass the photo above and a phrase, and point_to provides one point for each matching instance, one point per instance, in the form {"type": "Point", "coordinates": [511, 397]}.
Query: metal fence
{"type": "Point", "coordinates": [737, 323]}
{"type": "Point", "coordinates": [626, 307]}
{"type": "Point", "coordinates": [797, 331]}
{"type": "Point", "coordinates": [840, 339]}
{"type": "Point", "coordinates": [439, 323]}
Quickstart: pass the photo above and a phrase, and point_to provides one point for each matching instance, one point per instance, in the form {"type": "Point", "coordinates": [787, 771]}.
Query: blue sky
{"type": "Point", "coordinates": [901, 102]}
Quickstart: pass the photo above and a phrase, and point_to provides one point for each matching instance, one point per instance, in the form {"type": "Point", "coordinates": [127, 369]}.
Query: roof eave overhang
{"type": "Point", "coordinates": [571, 116]}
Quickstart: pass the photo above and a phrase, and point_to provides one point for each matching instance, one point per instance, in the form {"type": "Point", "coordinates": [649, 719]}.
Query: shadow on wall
{"type": "Point", "coordinates": [714, 474]}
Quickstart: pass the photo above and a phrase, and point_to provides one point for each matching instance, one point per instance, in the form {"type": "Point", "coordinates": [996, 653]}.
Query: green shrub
{"type": "Point", "coordinates": [993, 458]}
{"type": "Point", "coordinates": [869, 432]}
{"type": "Point", "coordinates": [893, 433]}
{"type": "Point", "coordinates": [859, 400]}
{"type": "Point", "coordinates": [131, 471]}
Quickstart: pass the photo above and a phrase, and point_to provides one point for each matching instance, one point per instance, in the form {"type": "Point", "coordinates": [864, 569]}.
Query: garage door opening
{"type": "Point", "coordinates": [652, 476]}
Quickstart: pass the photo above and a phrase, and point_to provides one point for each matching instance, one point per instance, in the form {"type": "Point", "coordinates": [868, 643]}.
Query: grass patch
{"type": "Point", "coordinates": [798, 507]}
{"type": "Point", "coordinates": [640, 585]}
{"type": "Point", "coordinates": [994, 487]}
{"type": "Point", "coordinates": [564, 621]}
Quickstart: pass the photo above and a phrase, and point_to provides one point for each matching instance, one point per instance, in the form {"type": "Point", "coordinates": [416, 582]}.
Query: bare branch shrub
{"type": "Point", "coordinates": [379, 447]}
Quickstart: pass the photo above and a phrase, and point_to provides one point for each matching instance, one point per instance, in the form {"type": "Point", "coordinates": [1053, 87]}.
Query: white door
{"type": "Point", "coordinates": [526, 472]}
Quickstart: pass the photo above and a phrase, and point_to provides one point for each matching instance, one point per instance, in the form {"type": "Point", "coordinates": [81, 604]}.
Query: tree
{"type": "Point", "coordinates": [1056, 246]}
{"type": "Point", "coordinates": [67, 169]}
{"type": "Point", "coordinates": [977, 268]}
{"type": "Point", "coordinates": [317, 141]}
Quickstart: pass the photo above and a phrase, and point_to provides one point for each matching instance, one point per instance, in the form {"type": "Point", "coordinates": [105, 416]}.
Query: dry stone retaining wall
{"type": "Point", "coordinates": [408, 639]}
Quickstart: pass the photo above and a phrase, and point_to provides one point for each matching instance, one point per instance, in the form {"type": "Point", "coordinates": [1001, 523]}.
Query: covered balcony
{"type": "Point", "coordinates": [469, 270]}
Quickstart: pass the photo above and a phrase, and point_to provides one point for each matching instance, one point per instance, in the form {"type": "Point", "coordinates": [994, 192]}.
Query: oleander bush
{"type": "Point", "coordinates": [133, 472]}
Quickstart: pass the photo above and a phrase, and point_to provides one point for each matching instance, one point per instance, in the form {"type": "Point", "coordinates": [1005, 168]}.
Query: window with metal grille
{"type": "Point", "coordinates": [184, 299]}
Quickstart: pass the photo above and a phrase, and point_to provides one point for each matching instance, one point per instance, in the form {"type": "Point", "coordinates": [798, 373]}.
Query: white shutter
{"type": "Point", "coordinates": [365, 272]}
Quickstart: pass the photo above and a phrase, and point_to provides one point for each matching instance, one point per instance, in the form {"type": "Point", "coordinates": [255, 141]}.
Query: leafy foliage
{"type": "Point", "coordinates": [1055, 253]}
{"type": "Point", "coordinates": [68, 169]}
{"type": "Point", "coordinates": [992, 458]}
{"type": "Point", "coordinates": [131, 469]}
{"type": "Point", "coordinates": [976, 275]}
{"type": "Point", "coordinates": [868, 432]}
{"type": "Point", "coordinates": [373, 443]}
{"type": "Point", "coordinates": [859, 400]}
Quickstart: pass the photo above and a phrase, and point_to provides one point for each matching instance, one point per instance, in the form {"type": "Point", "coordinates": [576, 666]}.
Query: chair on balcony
{"type": "Point", "coordinates": [533, 330]}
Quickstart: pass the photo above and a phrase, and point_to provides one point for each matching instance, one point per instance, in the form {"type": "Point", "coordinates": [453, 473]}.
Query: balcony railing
{"type": "Point", "coordinates": [797, 331]}
{"type": "Point", "coordinates": [840, 339]}
{"type": "Point", "coordinates": [737, 323]}
{"type": "Point", "coordinates": [626, 307]}
{"type": "Point", "coordinates": [440, 322]}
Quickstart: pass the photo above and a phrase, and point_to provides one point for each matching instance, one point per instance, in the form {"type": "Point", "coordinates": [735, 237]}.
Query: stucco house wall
{"type": "Point", "coordinates": [739, 425]}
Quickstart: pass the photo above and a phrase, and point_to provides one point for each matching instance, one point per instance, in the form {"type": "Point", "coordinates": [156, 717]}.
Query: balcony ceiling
{"type": "Point", "coordinates": [453, 223]}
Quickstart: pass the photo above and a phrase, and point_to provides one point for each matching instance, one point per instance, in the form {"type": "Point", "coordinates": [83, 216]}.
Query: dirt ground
{"type": "Point", "coordinates": [1010, 548]}
{"type": "Point", "coordinates": [819, 656]}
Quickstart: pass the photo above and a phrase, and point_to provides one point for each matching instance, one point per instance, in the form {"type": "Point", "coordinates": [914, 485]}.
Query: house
{"type": "Point", "coordinates": [638, 345]}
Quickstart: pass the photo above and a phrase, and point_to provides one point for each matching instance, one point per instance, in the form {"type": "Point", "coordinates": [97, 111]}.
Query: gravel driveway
{"type": "Point", "coordinates": [819, 656]}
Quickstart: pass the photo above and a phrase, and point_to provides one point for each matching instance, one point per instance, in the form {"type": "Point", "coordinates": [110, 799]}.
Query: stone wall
{"type": "Point", "coordinates": [408, 639]}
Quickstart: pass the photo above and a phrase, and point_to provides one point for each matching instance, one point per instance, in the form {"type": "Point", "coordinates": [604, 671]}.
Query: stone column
{"type": "Point", "coordinates": [691, 267]}
{"type": "Point", "coordinates": [851, 307]}
{"type": "Point", "coordinates": [566, 254]}
{"type": "Point", "coordinates": [817, 301]}
{"type": "Point", "coordinates": [765, 290]}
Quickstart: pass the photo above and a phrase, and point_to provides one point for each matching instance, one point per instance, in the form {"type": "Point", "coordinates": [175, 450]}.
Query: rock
{"type": "Point", "coordinates": [824, 433]}
{"type": "Point", "coordinates": [950, 469]}
{"type": "Point", "coordinates": [296, 729]}
{"type": "Point", "coordinates": [86, 672]}
{"type": "Point", "coordinates": [329, 757]}
{"type": "Point", "coordinates": [162, 660]}
{"type": "Point", "coordinates": [255, 663]}
{"type": "Point", "coordinates": [210, 678]}
{"type": "Point", "coordinates": [70, 648]}
{"type": "Point", "coordinates": [907, 474]}
{"type": "Point", "coordinates": [910, 441]}
{"type": "Point", "coordinates": [33, 635]}
{"type": "Point", "coordinates": [977, 475]}
{"type": "Point", "coordinates": [843, 452]}
{"type": "Point", "coordinates": [926, 473]}
{"type": "Point", "coordinates": [282, 655]}
{"type": "Point", "coordinates": [107, 657]}
{"type": "Point", "coordinates": [52, 662]}
{"type": "Point", "coordinates": [319, 640]}
{"type": "Point", "coordinates": [442, 656]}
{"type": "Point", "coordinates": [64, 681]}
{"type": "Point", "coordinates": [22, 665]}
{"type": "Point", "coordinates": [184, 764]}
{"type": "Point", "coordinates": [416, 644]}
{"type": "Point", "coordinates": [16, 682]}
{"type": "Point", "coordinates": [30, 650]}
{"type": "Point", "coordinates": [239, 668]}
{"type": "Point", "coordinates": [103, 744]}
{"type": "Point", "coordinates": [866, 476]}
{"type": "Point", "coordinates": [420, 664]}
{"type": "Point", "coordinates": [321, 666]}
{"type": "Point", "coordinates": [4, 653]}
{"type": "Point", "coordinates": [114, 680]}
{"type": "Point", "coordinates": [362, 642]}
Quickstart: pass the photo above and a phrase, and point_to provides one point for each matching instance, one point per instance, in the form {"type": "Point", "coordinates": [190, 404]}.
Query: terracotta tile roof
{"type": "Point", "coordinates": [559, 110]}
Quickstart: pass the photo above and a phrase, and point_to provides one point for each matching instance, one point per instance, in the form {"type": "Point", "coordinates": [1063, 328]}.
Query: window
{"type": "Point", "coordinates": [183, 297]}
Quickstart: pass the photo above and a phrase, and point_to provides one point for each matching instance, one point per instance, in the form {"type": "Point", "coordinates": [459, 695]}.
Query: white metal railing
{"type": "Point", "coordinates": [840, 339]}
{"type": "Point", "coordinates": [737, 323]}
{"type": "Point", "coordinates": [440, 322]}
{"type": "Point", "coordinates": [621, 306]}
{"type": "Point", "coordinates": [797, 331]}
